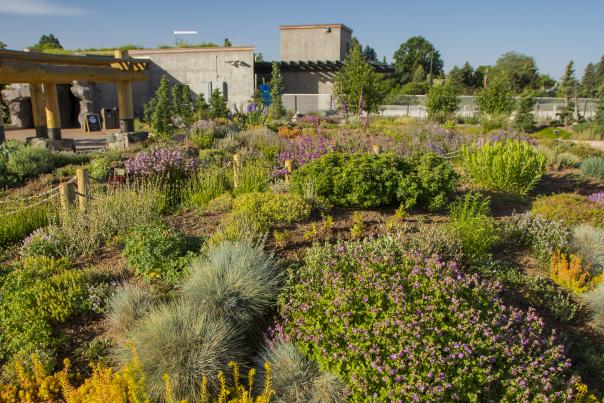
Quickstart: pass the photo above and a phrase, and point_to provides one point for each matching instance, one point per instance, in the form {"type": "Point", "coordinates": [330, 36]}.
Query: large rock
{"type": "Point", "coordinates": [18, 99]}
{"type": "Point", "coordinates": [93, 97]}
{"type": "Point", "coordinates": [122, 141]}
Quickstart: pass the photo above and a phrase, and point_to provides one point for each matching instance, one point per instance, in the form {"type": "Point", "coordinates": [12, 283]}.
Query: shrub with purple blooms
{"type": "Point", "coordinates": [597, 198]}
{"type": "Point", "coordinates": [161, 161]}
{"type": "Point", "coordinates": [399, 327]}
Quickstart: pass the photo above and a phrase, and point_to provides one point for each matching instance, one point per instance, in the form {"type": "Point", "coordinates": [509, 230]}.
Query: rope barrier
{"type": "Point", "coordinates": [36, 195]}
{"type": "Point", "coordinates": [30, 206]}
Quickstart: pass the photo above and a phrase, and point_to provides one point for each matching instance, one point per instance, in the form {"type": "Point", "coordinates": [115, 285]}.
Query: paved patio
{"type": "Point", "coordinates": [83, 141]}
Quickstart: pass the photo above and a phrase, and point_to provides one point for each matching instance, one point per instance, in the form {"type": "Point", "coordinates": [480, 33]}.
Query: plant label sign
{"type": "Point", "coordinates": [93, 122]}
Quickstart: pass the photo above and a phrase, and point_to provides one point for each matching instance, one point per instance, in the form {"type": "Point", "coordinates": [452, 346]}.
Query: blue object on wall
{"type": "Point", "coordinates": [265, 93]}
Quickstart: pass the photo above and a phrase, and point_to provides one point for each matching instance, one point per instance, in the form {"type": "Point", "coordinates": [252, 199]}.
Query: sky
{"type": "Point", "coordinates": [553, 32]}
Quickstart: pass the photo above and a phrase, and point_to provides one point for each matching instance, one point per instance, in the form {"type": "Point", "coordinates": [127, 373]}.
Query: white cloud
{"type": "Point", "coordinates": [38, 8]}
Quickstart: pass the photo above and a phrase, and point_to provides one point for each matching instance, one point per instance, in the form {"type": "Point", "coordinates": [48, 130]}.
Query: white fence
{"type": "Point", "coordinates": [413, 106]}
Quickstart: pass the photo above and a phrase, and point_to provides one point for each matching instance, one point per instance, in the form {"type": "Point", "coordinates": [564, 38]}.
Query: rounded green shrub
{"type": "Point", "coordinates": [472, 223]}
{"type": "Point", "coordinates": [570, 209]}
{"type": "Point", "coordinates": [296, 378]}
{"type": "Point", "coordinates": [510, 166]}
{"type": "Point", "coordinates": [99, 169]}
{"type": "Point", "coordinates": [236, 281]}
{"type": "Point", "coordinates": [156, 251]}
{"type": "Point", "coordinates": [594, 167]}
{"type": "Point", "coordinates": [266, 209]}
{"type": "Point", "coordinates": [183, 341]}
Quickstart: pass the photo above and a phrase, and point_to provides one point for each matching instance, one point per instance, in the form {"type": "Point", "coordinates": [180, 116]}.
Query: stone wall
{"type": "Point", "coordinates": [18, 100]}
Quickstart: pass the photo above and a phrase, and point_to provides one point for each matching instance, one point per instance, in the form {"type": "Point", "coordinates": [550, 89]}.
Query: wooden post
{"type": "Point", "coordinates": [289, 165]}
{"type": "Point", "coordinates": [67, 195]}
{"type": "Point", "coordinates": [2, 136]}
{"type": "Point", "coordinates": [236, 170]}
{"type": "Point", "coordinates": [124, 99]}
{"type": "Point", "coordinates": [51, 105]}
{"type": "Point", "coordinates": [83, 187]}
{"type": "Point", "coordinates": [377, 149]}
{"type": "Point", "coordinates": [37, 109]}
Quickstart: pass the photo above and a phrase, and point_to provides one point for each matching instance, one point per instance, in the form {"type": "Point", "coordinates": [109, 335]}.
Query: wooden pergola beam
{"type": "Point", "coordinates": [50, 58]}
{"type": "Point", "coordinates": [33, 72]}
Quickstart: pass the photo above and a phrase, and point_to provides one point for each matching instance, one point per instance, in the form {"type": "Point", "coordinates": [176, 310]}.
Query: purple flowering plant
{"type": "Point", "coordinates": [161, 161]}
{"type": "Point", "coordinates": [401, 327]}
{"type": "Point", "coordinates": [597, 198]}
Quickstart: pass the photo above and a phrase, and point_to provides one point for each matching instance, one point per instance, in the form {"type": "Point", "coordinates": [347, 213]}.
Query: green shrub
{"type": "Point", "coordinates": [398, 327]}
{"type": "Point", "coordinates": [267, 209]}
{"type": "Point", "coordinates": [442, 103]}
{"type": "Point", "coordinates": [543, 237]}
{"type": "Point", "coordinates": [156, 252]}
{"type": "Point", "coordinates": [431, 240]}
{"type": "Point", "coordinates": [31, 161]}
{"type": "Point", "coordinates": [108, 214]}
{"type": "Point", "coordinates": [206, 184]}
{"type": "Point", "coordinates": [295, 378]}
{"type": "Point", "coordinates": [39, 293]}
{"type": "Point", "coordinates": [187, 344]}
{"type": "Point", "coordinates": [472, 223]}
{"type": "Point", "coordinates": [368, 180]}
{"type": "Point", "coordinates": [588, 243]}
{"type": "Point", "coordinates": [255, 176]}
{"type": "Point", "coordinates": [16, 226]}
{"type": "Point", "coordinates": [127, 305]}
{"type": "Point", "coordinates": [202, 138]}
{"type": "Point", "coordinates": [569, 208]}
{"type": "Point", "coordinates": [99, 169]}
{"type": "Point", "coordinates": [595, 302]}
{"type": "Point", "coordinates": [237, 282]}
{"type": "Point", "coordinates": [511, 166]}
{"type": "Point", "coordinates": [594, 167]}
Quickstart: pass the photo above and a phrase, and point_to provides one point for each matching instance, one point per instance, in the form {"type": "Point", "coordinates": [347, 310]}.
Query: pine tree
{"type": "Point", "coordinates": [218, 105]}
{"type": "Point", "coordinates": [176, 100]}
{"type": "Point", "coordinates": [357, 79]}
{"type": "Point", "coordinates": [599, 119]}
{"type": "Point", "coordinates": [277, 109]}
{"type": "Point", "coordinates": [524, 119]}
{"type": "Point", "coordinates": [589, 84]}
{"type": "Point", "coordinates": [202, 109]}
{"type": "Point", "coordinates": [187, 110]}
{"type": "Point", "coordinates": [160, 118]}
{"type": "Point", "coordinates": [567, 91]}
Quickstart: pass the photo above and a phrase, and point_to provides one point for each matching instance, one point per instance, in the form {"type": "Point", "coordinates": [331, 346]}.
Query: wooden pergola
{"type": "Point", "coordinates": [43, 71]}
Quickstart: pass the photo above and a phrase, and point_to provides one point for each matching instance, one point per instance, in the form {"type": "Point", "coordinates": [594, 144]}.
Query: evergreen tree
{"type": "Point", "coordinates": [187, 109]}
{"type": "Point", "coordinates": [524, 119]}
{"type": "Point", "coordinates": [370, 53]}
{"type": "Point", "coordinates": [600, 73]}
{"type": "Point", "coordinates": [257, 99]}
{"type": "Point", "coordinates": [589, 84]}
{"type": "Point", "coordinates": [276, 109]}
{"type": "Point", "coordinates": [599, 119]}
{"type": "Point", "coordinates": [357, 79]}
{"type": "Point", "coordinates": [160, 117]}
{"type": "Point", "coordinates": [567, 91]}
{"type": "Point", "coordinates": [442, 102]}
{"type": "Point", "coordinates": [218, 105]}
{"type": "Point", "coordinates": [48, 42]}
{"type": "Point", "coordinates": [468, 77]}
{"type": "Point", "coordinates": [176, 100]}
{"type": "Point", "coordinates": [202, 109]}
{"type": "Point", "coordinates": [2, 45]}
{"type": "Point", "coordinates": [227, 43]}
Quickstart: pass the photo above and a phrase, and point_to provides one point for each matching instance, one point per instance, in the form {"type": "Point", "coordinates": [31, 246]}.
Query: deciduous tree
{"type": "Point", "coordinates": [442, 102]}
{"type": "Point", "coordinates": [414, 52]}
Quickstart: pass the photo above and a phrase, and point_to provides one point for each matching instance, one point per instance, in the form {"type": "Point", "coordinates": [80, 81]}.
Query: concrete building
{"type": "Point", "coordinates": [315, 42]}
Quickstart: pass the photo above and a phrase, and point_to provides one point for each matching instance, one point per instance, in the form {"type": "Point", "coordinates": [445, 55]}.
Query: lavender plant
{"type": "Point", "coordinates": [398, 327]}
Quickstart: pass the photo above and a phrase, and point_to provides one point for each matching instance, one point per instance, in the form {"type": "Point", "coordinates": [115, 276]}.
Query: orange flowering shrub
{"type": "Point", "coordinates": [288, 132]}
{"type": "Point", "coordinates": [568, 272]}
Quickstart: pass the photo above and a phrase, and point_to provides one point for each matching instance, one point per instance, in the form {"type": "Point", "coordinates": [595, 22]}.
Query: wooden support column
{"type": "Point", "coordinates": [51, 105]}
{"type": "Point", "coordinates": [124, 100]}
{"type": "Point", "coordinates": [37, 109]}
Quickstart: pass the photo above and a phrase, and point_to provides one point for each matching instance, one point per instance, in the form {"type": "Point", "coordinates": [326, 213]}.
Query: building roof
{"type": "Point", "coordinates": [314, 26]}
{"type": "Point", "coordinates": [316, 65]}
{"type": "Point", "coordinates": [144, 52]}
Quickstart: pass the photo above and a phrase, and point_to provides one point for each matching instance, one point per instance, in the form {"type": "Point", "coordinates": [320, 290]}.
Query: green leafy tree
{"type": "Point", "coordinates": [2, 45]}
{"type": "Point", "coordinates": [496, 98]}
{"type": "Point", "coordinates": [568, 86]}
{"type": "Point", "coordinates": [161, 121]}
{"type": "Point", "coordinates": [464, 79]}
{"type": "Point", "coordinates": [414, 52]}
{"type": "Point", "coordinates": [218, 105]}
{"type": "Point", "coordinates": [419, 75]}
{"type": "Point", "coordinates": [357, 79]}
{"type": "Point", "coordinates": [227, 43]}
{"type": "Point", "coordinates": [202, 109]}
{"type": "Point", "coordinates": [276, 109]}
{"type": "Point", "coordinates": [48, 42]}
{"type": "Point", "coordinates": [442, 102]}
{"type": "Point", "coordinates": [589, 82]}
{"type": "Point", "coordinates": [524, 119]}
{"type": "Point", "coordinates": [520, 70]}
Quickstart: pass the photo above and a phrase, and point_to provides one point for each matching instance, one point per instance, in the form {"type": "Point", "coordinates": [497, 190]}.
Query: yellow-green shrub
{"type": "Point", "coordinates": [572, 209]}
